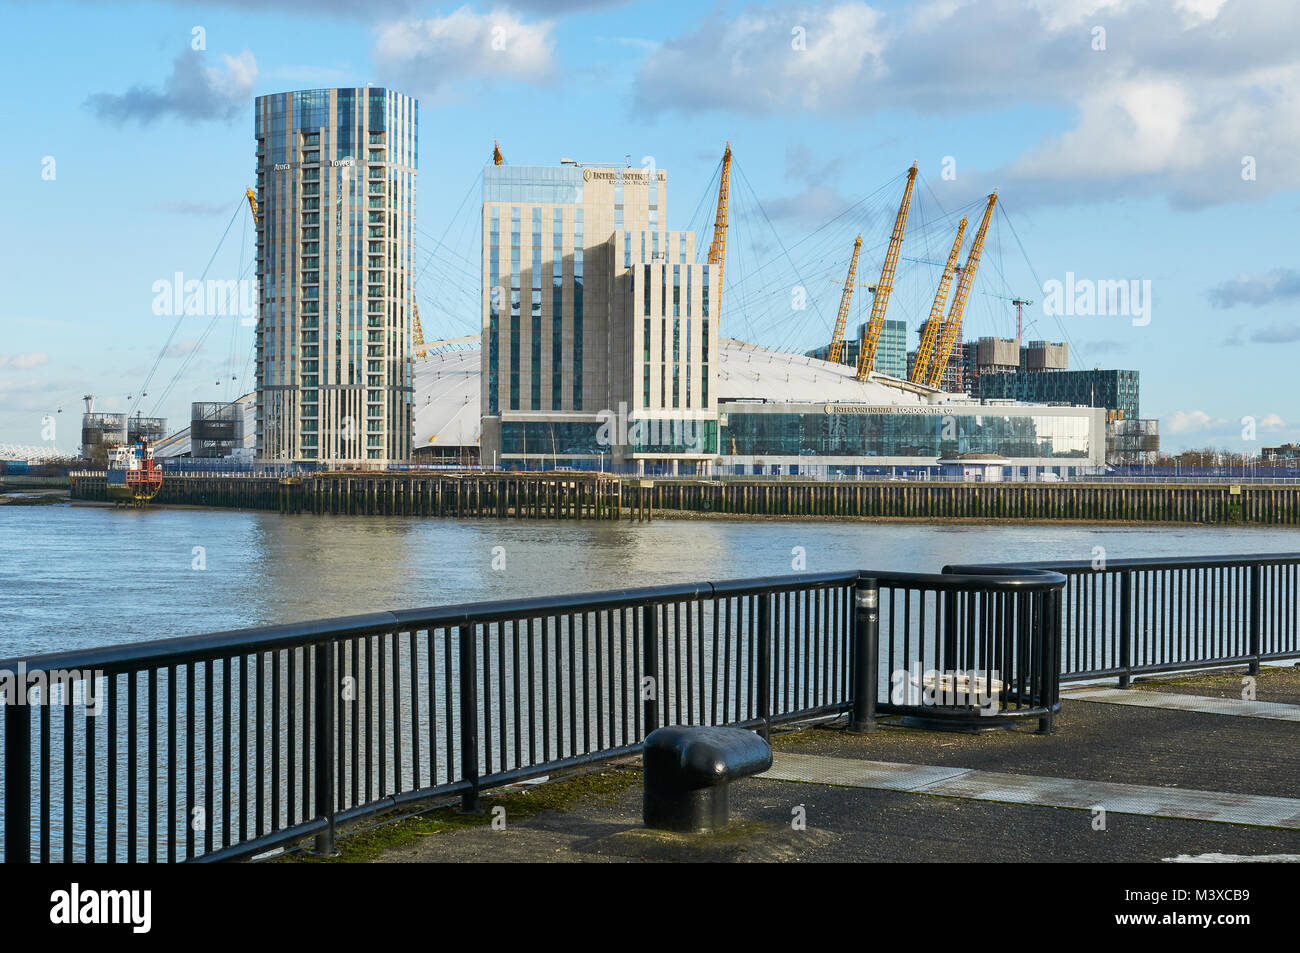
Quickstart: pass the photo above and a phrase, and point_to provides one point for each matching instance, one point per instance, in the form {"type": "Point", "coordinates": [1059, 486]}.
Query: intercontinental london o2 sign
{"type": "Point", "coordinates": [624, 175]}
{"type": "Point", "coordinates": [887, 409]}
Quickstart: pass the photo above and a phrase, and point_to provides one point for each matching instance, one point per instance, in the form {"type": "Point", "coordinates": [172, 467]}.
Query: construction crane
{"type": "Point", "coordinates": [867, 352]}
{"type": "Point", "coordinates": [951, 331]}
{"type": "Point", "coordinates": [497, 157]}
{"type": "Point", "coordinates": [718, 248]}
{"type": "Point", "coordinates": [252, 203]}
{"type": "Point", "coordinates": [837, 339]}
{"type": "Point", "coordinates": [931, 333]}
{"type": "Point", "coordinates": [1020, 303]}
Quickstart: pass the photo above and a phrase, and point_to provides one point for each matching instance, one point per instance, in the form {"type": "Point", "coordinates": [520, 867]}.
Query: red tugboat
{"type": "Point", "coordinates": [134, 476]}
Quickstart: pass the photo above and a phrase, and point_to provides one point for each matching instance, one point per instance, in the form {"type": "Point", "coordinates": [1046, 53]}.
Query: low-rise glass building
{"type": "Point", "coordinates": [861, 439]}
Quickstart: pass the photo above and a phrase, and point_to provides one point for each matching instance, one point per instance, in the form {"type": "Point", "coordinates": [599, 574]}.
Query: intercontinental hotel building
{"type": "Point", "coordinates": [600, 329]}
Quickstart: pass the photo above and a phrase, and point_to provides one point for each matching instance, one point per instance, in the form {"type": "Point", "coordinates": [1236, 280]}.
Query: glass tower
{"type": "Point", "coordinates": [335, 259]}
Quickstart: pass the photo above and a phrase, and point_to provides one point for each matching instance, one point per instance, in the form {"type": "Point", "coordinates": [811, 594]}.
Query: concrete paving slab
{"type": "Point", "coordinates": [1276, 682]}
{"type": "Point", "coordinates": [1148, 800]}
{"type": "Point", "coordinates": [1272, 711]}
{"type": "Point", "coordinates": [882, 775]}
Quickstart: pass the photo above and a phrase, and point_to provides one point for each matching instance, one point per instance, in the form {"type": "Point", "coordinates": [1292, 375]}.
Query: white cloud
{"type": "Point", "coordinates": [1188, 421]}
{"type": "Point", "coordinates": [1257, 289]}
{"type": "Point", "coordinates": [23, 362]}
{"type": "Point", "coordinates": [182, 348]}
{"type": "Point", "coordinates": [751, 63]}
{"type": "Point", "coordinates": [426, 56]}
{"type": "Point", "coordinates": [1060, 14]}
{"type": "Point", "coordinates": [1199, 10]}
{"type": "Point", "coordinates": [1182, 92]}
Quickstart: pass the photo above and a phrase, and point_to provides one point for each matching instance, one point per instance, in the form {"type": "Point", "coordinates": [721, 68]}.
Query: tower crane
{"type": "Point", "coordinates": [951, 331]}
{"type": "Point", "coordinates": [718, 248]}
{"type": "Point", "coordinates": [931, 333]}
{"type": "Point", "coordinates": [1020, 303]}
{"type": "Point", "coordinates": [837, 339]}
{"type": "Point", "coordinates": [871, 340]}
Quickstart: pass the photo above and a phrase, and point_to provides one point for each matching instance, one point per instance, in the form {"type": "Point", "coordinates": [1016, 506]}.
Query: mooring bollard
{"type": "Point", "coordinates": [688, 771]}
{"type": "Point", "coordinates": [866, 655]}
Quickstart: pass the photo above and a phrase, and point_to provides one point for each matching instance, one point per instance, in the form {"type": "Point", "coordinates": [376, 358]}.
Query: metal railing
{"type": "Point", "coordinates": [1126, 617]}
{"type": "Point", "coordinates": [223, 746]}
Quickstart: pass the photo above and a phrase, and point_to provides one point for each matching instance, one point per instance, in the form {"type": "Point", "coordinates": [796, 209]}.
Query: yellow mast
{"type": "Point", "coordinates": [418, 334]}
{"type": "Point", "coordinates": [931, 334]}
{"type": "Point", "coordinates": [952, 327]}
{"type": "Point", "coordinates": [252, 203]}
{"type": "Point", "coordinates": [497, 157]}
{"type": "Point", "coordinates": [837, 339]}
{"type": "Point", "coordinates": [718, 249]}
{"type": "Point", "coordinates": [867, 354]}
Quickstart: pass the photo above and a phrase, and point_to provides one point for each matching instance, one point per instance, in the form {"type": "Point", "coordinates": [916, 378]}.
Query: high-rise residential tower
{"type": "Point", "coordinates": [335, 258]}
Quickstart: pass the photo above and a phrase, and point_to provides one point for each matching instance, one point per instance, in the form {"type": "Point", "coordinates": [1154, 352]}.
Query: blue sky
{"type": "Point", "coordinates": [1117, 133]}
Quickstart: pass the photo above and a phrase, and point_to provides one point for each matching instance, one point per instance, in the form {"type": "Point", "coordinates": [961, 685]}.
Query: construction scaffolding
{"type": "Point", "coordinates": [98, 433]}
{"type": "Point", "coordinates": [152, 429]}
{"type": "Point", "coordinates": [216, 429]}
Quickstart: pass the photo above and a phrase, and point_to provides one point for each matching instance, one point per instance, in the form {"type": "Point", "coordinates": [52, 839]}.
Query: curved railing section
{"type": "Point", "coordinates": [1126, 617]}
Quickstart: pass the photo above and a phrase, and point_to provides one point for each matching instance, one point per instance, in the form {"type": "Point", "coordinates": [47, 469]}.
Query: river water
{"type": "Point", "coordinates": [74, 576]}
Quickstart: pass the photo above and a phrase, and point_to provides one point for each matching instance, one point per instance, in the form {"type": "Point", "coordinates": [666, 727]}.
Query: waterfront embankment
{"type": "Point", "coordinates": [596, 496]}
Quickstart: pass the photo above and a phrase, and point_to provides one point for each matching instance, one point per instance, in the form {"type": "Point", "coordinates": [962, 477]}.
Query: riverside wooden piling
{"type": "Point", "coordinates": [598, 496]}
{"type": "Point", "coordinates": [1263, 504]}
{"type": "Point", "coordinates": [549, 495]}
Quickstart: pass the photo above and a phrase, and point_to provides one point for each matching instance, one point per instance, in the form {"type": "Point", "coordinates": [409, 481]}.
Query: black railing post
{"type": "Point", "coordinates": [866, 655]}
{"type": "Point", "coordinates": [325, 691]}
{"type": "Point", "coordinates": [1049, 634]}
{"type": "Point", "coordinates": [765, 664]}
{"type": "Point", "coordinates": [1126, 629]}
{"type": "Point", "coordinates": [948, 661]}
{"type": "Point", "coordinates": [650, 687]}
{"type": "Point", "coordinates": [469, 801]}
{"type": "Point", "coordinates": [18, 779]}
{"type": "Point", "coordinates": [1256, 615]}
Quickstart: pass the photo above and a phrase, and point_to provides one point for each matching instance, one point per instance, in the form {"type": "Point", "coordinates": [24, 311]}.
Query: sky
{"type": "Point", "coordinates": [1151, 143]}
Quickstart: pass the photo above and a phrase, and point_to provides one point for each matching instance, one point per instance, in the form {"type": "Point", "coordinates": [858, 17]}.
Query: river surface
{"type": "Point", "coordinates": [75, 576]}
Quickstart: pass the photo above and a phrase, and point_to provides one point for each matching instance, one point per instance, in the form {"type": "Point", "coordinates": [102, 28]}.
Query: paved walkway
{"type": "Point", "coordinates": [1177, 784]}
